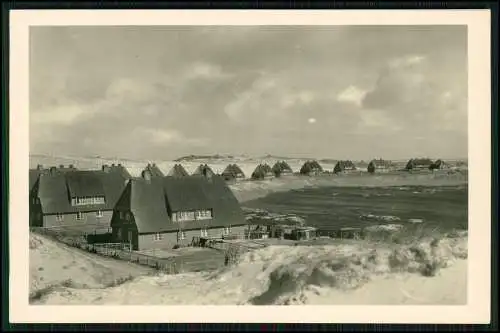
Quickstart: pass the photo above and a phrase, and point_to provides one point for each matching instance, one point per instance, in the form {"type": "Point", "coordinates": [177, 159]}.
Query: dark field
{"type": "Point", "coordinates": [444, 207]}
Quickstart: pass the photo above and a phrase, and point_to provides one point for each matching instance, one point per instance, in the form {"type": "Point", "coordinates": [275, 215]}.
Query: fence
{"type": "Point", "coordinates": [122, 251]}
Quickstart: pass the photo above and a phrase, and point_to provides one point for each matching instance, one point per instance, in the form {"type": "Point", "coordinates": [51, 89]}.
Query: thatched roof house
{"type": "Point", "coordinates": [177, 171]}
{"type": "Point", "coordinates": [232, 172]}
{"type": "Point", "coordinates": [281, 168]}
{"type": "Point", "coordinates": [203, 170]}
{"type": "Point", "coordinates": [379, 165]}
{"type": "Point", "coordinates": [78, 200]}
{"type": "Point", "coordinates": [419, 164]}
{"type": "Point", "coordinates": [263, 171]}
{"type": "Point", "coordinates": [311, 168]}
{"type": "Point", "coordinates": [169, 211]}
{"type": "Point", "coordinates": [439, 164]}
{"type": "Point", "coordinates": [344, 166]}
{"type": "Point", "coordinates": [154, 170]}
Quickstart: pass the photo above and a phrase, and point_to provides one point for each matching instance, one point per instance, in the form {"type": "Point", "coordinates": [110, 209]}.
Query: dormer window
{"type": "Point", "coordinates": [82, 201]}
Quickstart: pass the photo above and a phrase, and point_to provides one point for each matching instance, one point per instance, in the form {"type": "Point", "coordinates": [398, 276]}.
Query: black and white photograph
{"type": "Point", "coordinates": [250, 165]}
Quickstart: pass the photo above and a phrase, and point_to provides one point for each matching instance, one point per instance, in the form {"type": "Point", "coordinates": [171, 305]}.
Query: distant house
{"type": "Point", "coordinates": [177, 171]}
{"type": "Point", "coordinates": [281, 168]}
{"type": "Point", "coordinates": [158, 212]}
{"type": "Point", "coordinates": [81, 201]}
{"type": "Point", "coordinates": [344, 166]}
{"type": "Point", "coordinates": [203, 170]}
{"type": "Point", "coordinates": [379, 165]}
{"type": "Point", "coordinates": [311, 168]}
{"type": "Point", "coordinates": [154, 170]}
{"type": "Point", "coordinates": [439, 164]}
{"type": "Point", "coordinates": [232, 172]}
{"type": "Point", "coordinates": [262, 171]}
{"type": "Point", "coordinates": [419, 164]}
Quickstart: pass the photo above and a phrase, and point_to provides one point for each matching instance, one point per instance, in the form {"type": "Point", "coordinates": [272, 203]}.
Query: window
{"type": "Point", "coordinates": [59, 217]}
{"type": "Point", "coordinates": [78, 201]}
{"type": "Point", "coordinates": [204, 233]}
{"type": "Point", "coordinates": [183, 216]}
{"type": "Point", "coordinates": [157, 237]}
{"type": "Point", "coordinates": [80, 216]}
{"type": "Point", "coordinates": [181, 235]}
{"type": "Point", "coordinates": [203, 214]}
{"type": "Point", "coordinates": [98, 213]}
{"type": "Point", "coordinates": [121, 215]}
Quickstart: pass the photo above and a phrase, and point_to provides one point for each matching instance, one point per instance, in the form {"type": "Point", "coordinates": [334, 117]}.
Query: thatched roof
{"type": "Point", "coordinates": [233, 171]}
{"type": "Point", "coordinates": [204, 170]}
{"type": "Point", "coordinates": [151, 201]}
{"type": "Point", "coordinates": [419, 163]}
{"type": "Point", "coordinates": [262, 171]}
{"type": "Point", "coordinates": [344, 165]}
{"type": "Point", "coordinates": [154, 170]}
{"type": "Point", "coordinates": [177, 171]}
{"type": "Point", "coordinates": [281, 167]}
{"type": "Point", "coordinates": [55, 190]}
{"type": "Point", "coordinates": [311, 166]}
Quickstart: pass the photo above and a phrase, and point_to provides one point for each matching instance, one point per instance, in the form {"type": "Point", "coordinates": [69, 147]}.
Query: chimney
{"type": "Point", "coordinates": [53, 170]}
{"type": "Point", "coordinates": [105, 168]}
{"type": "Point", "coordinates": [113, 165]}
{"type": "Point", "coordinates": [119, 164]}
{"type": "Point", "coordinates": [39, 167]}
{"type": "Point", "coordinates": [61, 166]}
{"type": "Point", "coordinates": [71, 166]}
{"type": "Point", "coordinates": [146, 175]}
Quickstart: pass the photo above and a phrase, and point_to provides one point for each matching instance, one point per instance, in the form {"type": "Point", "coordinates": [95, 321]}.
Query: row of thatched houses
{"type": "Point", "coordinates": [150, 211]}
{"type": "Point", "coordinates": [156, 210]}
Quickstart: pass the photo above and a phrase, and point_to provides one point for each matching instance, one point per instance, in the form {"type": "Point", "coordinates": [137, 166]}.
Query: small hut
{"type": "Point", "coordinates": [178, 171]}
{"type": "Point", "coordinates": [232, 172]}
{"type": "Point", "coordinates": [204, 170]}
{"type": "Point", "coordinates": [438, 165]}
{"type": "Point", "coordinates": [419, 164]}
{"type": "Point", "coordinates": [344, 166]}
{"type": "Point", "coordinates": [311, 168]}
{"type": "Point", "coordinates": [379, 165]}
{"type": "Point", "coordinates": [262, 171]}
{"type": "Point", "coordinates": [281, 168]}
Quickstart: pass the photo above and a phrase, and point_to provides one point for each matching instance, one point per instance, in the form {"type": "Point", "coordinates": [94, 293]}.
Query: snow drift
{"type": "Point", "coordinates": [286, 275]}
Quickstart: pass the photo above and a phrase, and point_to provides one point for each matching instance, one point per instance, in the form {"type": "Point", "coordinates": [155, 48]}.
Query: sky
{"type": "Point", "coordinates": [161, 92]}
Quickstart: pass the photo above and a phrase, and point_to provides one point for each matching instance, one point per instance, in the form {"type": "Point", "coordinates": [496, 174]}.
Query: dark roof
{"type": "Point", "coordinates": [154, 170]}
{"type": "Point", "coordinates": [419, 162]}
{"type": "Point", "coordinates": [232, 170]}
{"type": "Point", "coordinates": [262, 170]}
{"type": "Point", "coordinates": [117, 169]}
{"type": "Point", "coordinates": [310, 166]}
{"type": "Point", "coordinates": [345, 165]}
{"type": "Point", "coordinates": [84, 184]}
{"type": "Point", "coordinates": [178, 171]}
{"type": "Point", "coordinates": [33, 177]}
{"type": "Point", "coordinates": [150, 202]}
{"type": "Point", "coordinates": [281, 166]}
{"type": "Point", "coordinates": [55, 190]}
{"type": "Point", "coordinates": [203, 169]}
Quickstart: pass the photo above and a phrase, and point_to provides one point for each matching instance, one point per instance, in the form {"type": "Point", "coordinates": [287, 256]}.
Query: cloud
{"type": "Point", "coordinates": [132, 91]}
{"type": "Point", "coordinates": [352, 94]}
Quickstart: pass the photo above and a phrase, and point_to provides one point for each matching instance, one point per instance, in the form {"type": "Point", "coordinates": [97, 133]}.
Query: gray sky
{"type": "Point", "coordinates": [161, 92]}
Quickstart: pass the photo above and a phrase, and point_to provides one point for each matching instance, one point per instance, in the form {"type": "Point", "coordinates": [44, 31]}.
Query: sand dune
{"type": "Point", "coordinates": [425, 272]}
